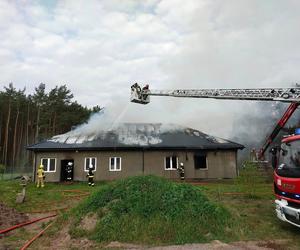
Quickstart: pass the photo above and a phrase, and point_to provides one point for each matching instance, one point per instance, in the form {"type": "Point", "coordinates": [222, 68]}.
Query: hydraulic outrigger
{"type": "Point", "coordinates": [285, 161]}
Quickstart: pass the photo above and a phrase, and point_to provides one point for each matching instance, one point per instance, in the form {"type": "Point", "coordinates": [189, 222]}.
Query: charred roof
{"type": "Point", "coordinates": [135, 136]}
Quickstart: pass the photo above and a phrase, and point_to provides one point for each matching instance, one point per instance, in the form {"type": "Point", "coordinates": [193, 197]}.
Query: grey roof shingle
{"type": "Point", "coordinates": [136, 136]}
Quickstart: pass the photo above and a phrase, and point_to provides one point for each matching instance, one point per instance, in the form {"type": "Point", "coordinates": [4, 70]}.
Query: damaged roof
{"type": "Point", "coordinates": [135, 136]}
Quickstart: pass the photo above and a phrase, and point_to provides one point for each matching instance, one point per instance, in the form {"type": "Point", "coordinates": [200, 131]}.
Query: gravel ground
{"type": "Point", "coordinates": [215, 245]}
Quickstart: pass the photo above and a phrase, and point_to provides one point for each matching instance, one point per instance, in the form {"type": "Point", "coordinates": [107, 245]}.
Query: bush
{"type": "Point", "coordinates": [149, 209]}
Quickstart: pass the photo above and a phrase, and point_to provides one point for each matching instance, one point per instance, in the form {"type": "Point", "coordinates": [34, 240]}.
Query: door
{"type": "Point", "coordinates": [67, 170]}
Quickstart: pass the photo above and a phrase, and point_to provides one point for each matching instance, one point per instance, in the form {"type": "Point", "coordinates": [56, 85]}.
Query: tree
{"type": "Point", "coordinates": [39, 99]}
{"type": "Point", "coordinates": [26, 119]}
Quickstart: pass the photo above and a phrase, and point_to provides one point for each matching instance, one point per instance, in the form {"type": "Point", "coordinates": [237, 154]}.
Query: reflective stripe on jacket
{"type": "Point", "coordinates": [40, 173]}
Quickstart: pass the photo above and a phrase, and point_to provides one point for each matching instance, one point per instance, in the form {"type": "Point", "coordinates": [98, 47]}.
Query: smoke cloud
{"type": "Point", "coordinates": [167, 44]}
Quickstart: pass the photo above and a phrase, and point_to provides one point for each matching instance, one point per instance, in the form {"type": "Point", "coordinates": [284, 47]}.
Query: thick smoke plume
{"type": "Point", "coordinates": [253, 128]}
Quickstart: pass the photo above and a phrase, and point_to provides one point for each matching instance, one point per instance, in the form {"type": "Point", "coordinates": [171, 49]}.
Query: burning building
{"type": "Point", "coordinates": [129, 149]}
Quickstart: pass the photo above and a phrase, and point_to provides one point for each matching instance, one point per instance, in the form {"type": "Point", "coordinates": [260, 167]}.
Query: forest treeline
{"type": "Point", "coordinates": [28, 118]}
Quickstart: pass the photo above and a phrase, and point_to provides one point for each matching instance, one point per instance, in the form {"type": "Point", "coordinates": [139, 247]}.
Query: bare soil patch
{"type": "Point", "coordinates": [64, 241]}
{"type": "Point", "coordinates": [89, 222]}
{"type": "Point", "coordinates": [10, 216]}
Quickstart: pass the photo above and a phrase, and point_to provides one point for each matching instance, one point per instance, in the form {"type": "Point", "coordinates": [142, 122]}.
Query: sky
{"type": "Point", "coordinates": [99, 48]}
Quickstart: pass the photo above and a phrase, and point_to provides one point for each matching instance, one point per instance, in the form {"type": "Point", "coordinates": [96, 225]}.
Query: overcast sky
{"type": "Point", "coordinates": [99, 48]}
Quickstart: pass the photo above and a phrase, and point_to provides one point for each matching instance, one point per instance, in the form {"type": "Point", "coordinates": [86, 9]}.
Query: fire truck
{"type": "Point", "coordinates": [285, 159]}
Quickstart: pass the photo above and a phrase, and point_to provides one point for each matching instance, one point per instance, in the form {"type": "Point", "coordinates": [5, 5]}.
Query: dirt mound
{"type": "Point", "coordinates": [150, 209]}
{"type": "Point", "coordinates": [10, 216]}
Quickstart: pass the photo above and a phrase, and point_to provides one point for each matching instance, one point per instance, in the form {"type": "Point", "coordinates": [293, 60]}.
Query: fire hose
{"type": "Point", "coordinates": [81, 193]}
{"type": "Point", "coordinates": [78, 194]}
{"type": "Point", "coordinates": [24, 224]}
{"type": "Point", "coordinates": [27, 244]}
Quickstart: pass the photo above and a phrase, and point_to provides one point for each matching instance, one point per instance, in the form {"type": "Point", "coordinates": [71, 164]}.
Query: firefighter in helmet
{"type": "Point", "coordinates": [181, 171]}
{"type": "Point", "coordinates": [41, 176]}
{"type": "Point", "coordinates": [145, 89]}
{"type": "Point", "coordinates": [90, 176]}
{"type": "Point", "coordinates": [69, 170]}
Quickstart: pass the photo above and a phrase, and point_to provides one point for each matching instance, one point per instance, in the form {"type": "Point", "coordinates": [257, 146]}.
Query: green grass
{"type": "Point", "coordinates": [247, 205]}
{"type": "Point", "coordinates": [250, 199]}
{"type": "Point", "coordinates": [51, 197]}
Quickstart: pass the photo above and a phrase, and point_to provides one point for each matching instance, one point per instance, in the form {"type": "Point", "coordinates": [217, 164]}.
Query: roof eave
{"type": "Point", "coordinates": [133, 148]}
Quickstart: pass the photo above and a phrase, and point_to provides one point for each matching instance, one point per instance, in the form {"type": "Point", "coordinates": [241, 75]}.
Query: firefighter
{"type": "Point", "coordinates": [137, 88]}
{"type": "Point", "coordinates": [253, 155]}
{"type": "Point", "coordinates": [41, 176]}
{"type": "Point", "coordinates": [274, 159]}
{"type": "Point", "coordinates": [90, 176]}
{"type": "Point", "coordinates": [69, 171]}
{"type": "Point", "coordinates": [145, 89]}
{"type": "Point", "coordinates": [181, 171]}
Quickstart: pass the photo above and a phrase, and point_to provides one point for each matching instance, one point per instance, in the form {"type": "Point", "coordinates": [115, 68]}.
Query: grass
{"type": "Point", "coordinates": [249, 200]}
{"type": "Point", "coordinates": [51, 197]}
{"type": "Point", "coordinates": [43, 200]}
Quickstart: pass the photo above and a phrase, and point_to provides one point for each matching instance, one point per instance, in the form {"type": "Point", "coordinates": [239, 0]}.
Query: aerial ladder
{"type": "Point", "coordinates": [288, 95]}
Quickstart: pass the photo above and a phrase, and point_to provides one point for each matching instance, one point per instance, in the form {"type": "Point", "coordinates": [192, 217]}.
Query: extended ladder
{"type": "Point", "coordinates": [141, 95]}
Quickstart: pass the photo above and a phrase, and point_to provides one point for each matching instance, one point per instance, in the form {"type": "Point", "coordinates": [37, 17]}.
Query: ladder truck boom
{"type": "Point", "coordinates": [142, 95]}
{"type": "Point", "coordinates": [288, 95]}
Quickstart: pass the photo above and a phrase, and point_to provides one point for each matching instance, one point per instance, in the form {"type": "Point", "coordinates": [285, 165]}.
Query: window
{"type": "Point", "coordinates": [171, 163]}
{"type": "Point", "coordinates": [49, 164]}
{"type": "Point", "coordinates": [200, 161]}
{"type": "Point", "coordinates": [115, 164]}
{"type": "Point", "coordinates": [88, 161]}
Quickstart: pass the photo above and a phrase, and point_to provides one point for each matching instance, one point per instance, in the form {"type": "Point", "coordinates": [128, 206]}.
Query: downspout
{"type": "Point", "coordinates": [143, 160]}
{"type": "Point", "coordinates": [34, 166]}
{"type": "Point", "coordinates": [236, 163]}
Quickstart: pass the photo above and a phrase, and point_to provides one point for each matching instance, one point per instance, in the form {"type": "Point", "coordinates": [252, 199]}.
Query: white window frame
{"type": "Point", "coordinates": [115, 160]}
{"type": "Point", "coordinates": [86, 169]}
{"type": "Point", "coordinates": [171, 162]}
{"type": "Point", "coordinates": [47, 168]}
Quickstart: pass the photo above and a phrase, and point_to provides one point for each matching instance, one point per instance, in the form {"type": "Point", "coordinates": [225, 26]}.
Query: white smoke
{"type": "Point", "coordinates": [97, 124]}
{"type": "Point", "coordinates": [107, 121]}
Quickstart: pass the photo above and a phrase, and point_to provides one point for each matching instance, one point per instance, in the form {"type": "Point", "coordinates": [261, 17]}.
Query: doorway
{"type": "Point", "coordinates": [67, 170]}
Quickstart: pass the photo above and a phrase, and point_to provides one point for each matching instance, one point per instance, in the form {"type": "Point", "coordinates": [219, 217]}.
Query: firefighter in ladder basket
{"type": "Point", "coordinates": [90, 176]}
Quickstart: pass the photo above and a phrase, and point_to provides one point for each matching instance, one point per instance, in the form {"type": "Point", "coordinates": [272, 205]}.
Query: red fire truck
{"type": "Point", "coordinates": [285, 159]}
{"type": "Point", "coordinates": [287, 180]}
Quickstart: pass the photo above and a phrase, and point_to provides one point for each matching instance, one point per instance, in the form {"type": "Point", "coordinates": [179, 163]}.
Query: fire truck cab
{"type": "Point", "coordinates": [287, 180]}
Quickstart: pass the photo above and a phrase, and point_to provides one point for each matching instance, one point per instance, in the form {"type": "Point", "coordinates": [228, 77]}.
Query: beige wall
{"type": "Point", "coordinates": [221, 164]}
